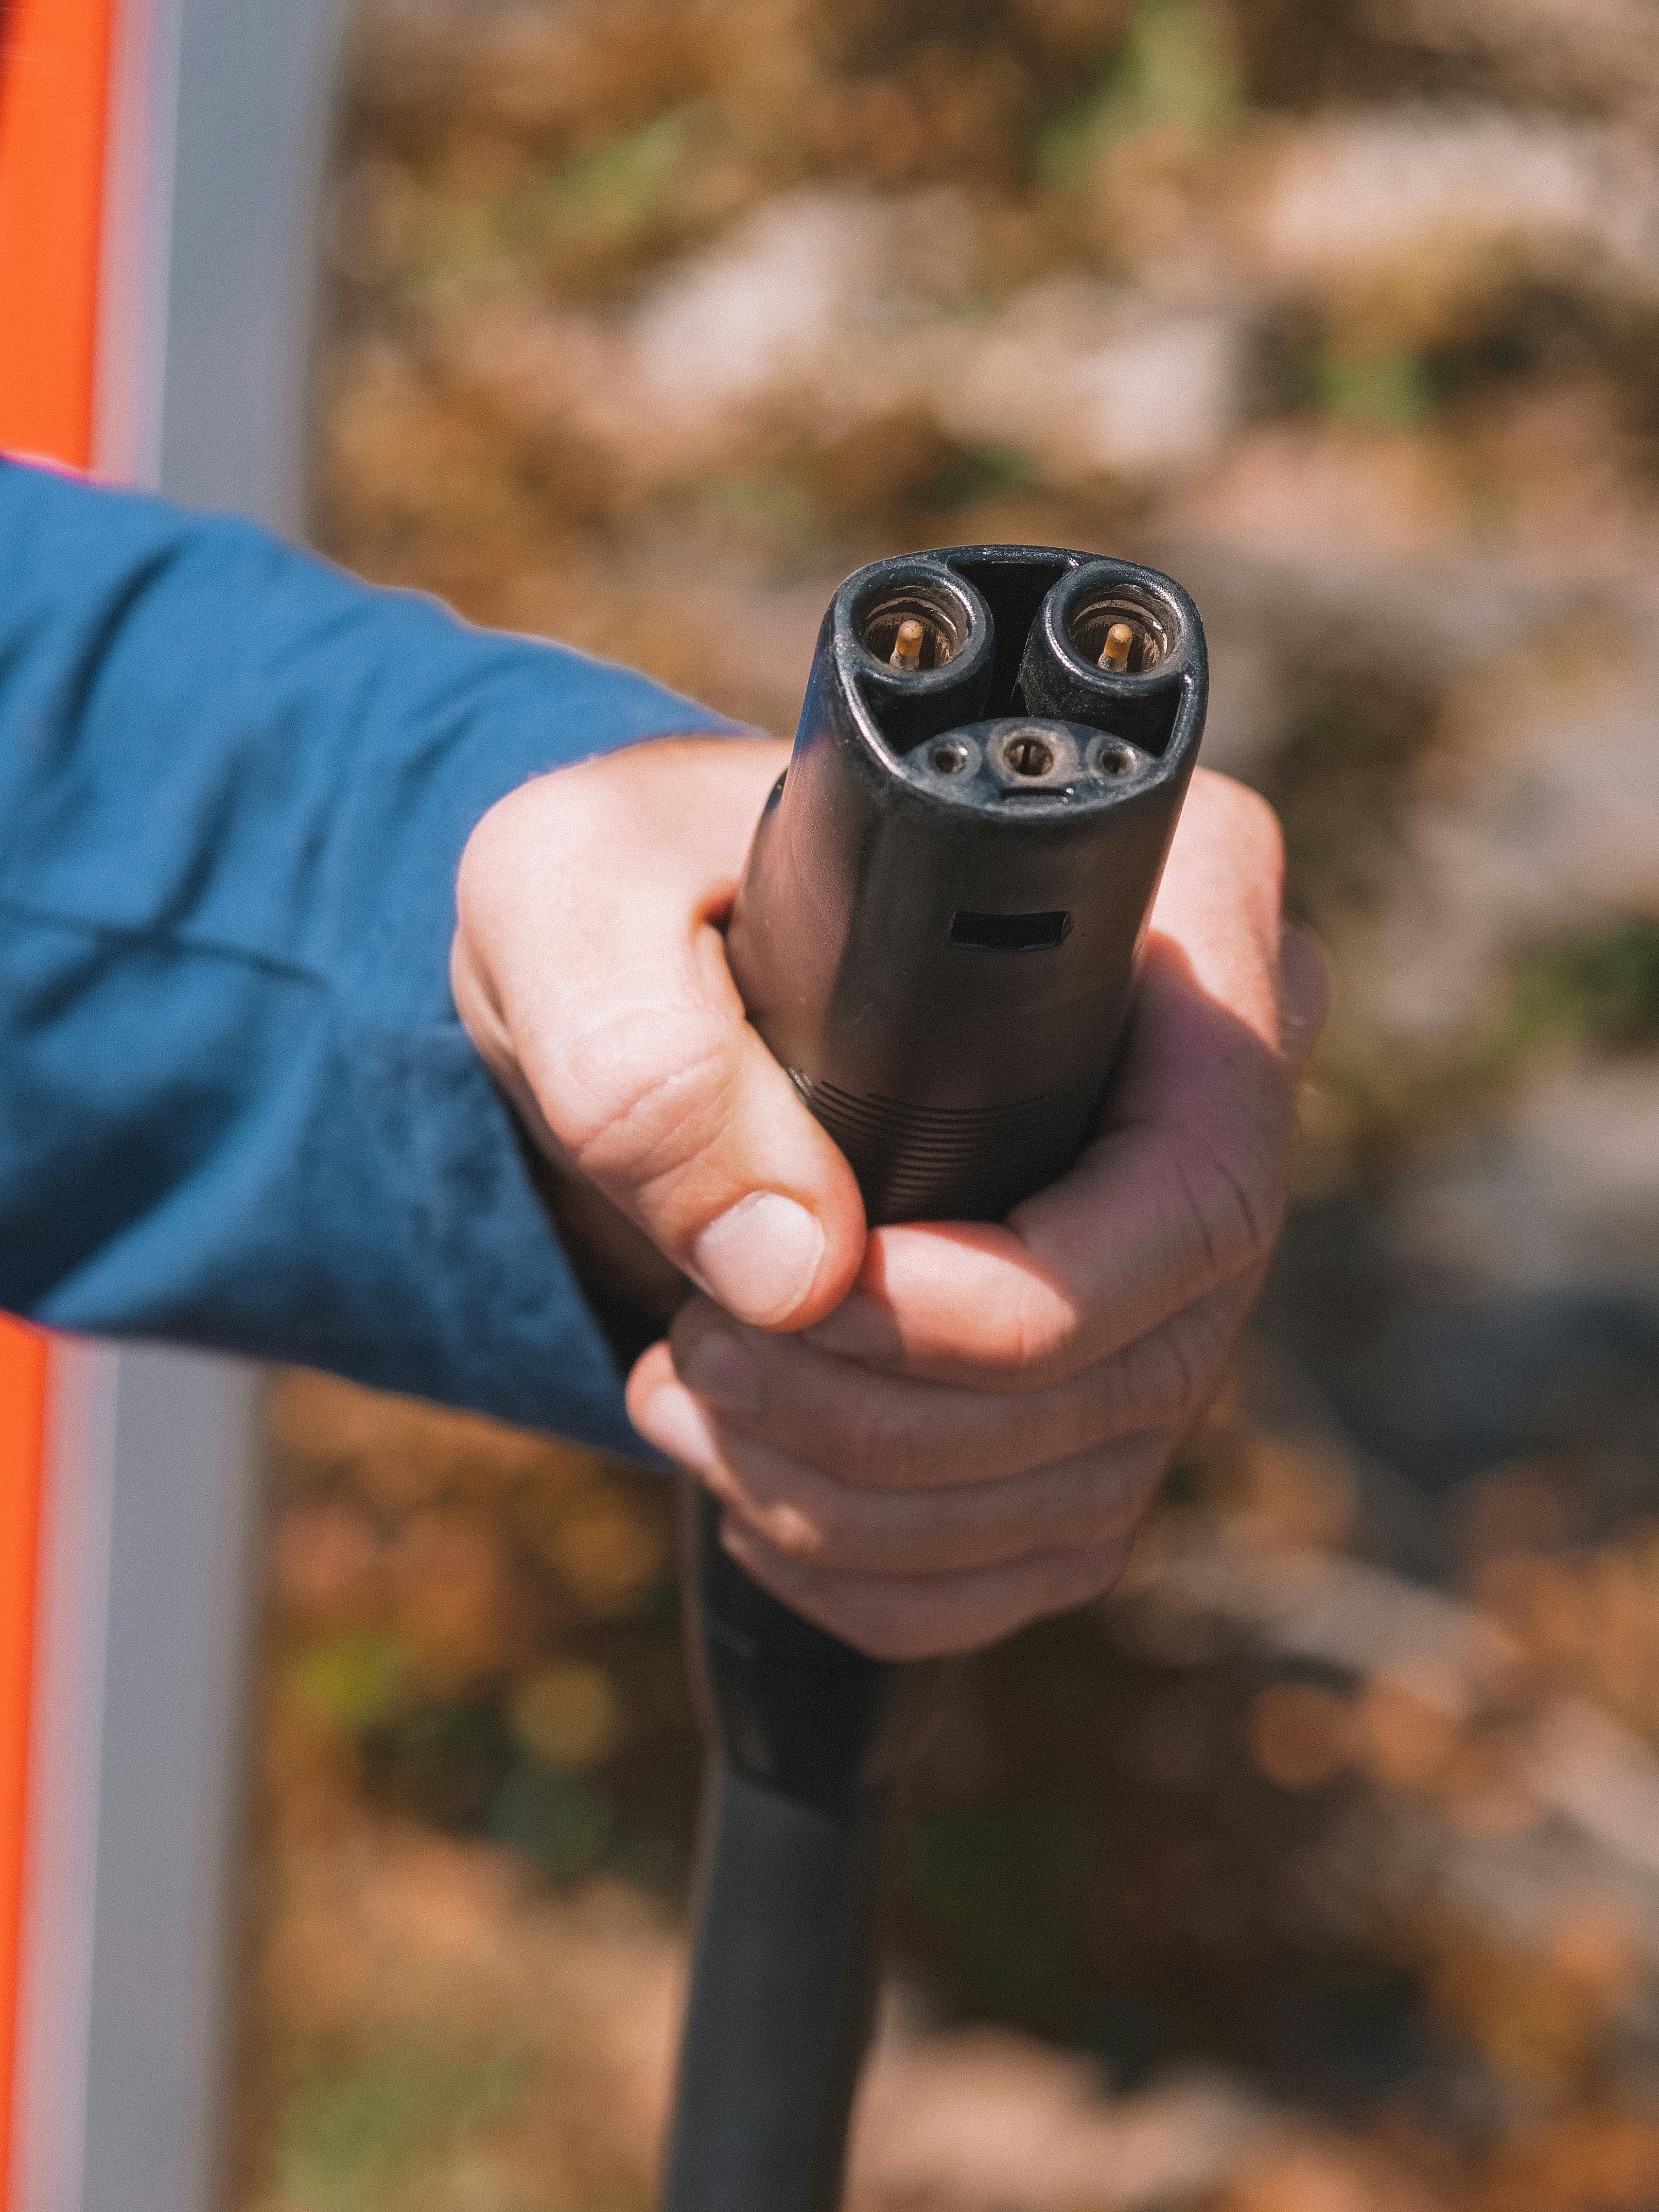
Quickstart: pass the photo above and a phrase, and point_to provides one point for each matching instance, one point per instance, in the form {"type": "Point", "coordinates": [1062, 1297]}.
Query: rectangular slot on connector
{"type": "Point", "coordinates": [1009, 933]}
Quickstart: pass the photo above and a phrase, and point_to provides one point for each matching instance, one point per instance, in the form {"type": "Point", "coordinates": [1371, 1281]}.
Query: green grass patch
{"type": "Point", "coordinates": [603, 206]}
{"type": "Point", "coordinates": [354, 1679]}
{"type": "Point", "coordinates": [1389, 391]}
{"type": "Point", "coordinates": [354, 2138]}
{"type": "Point", "coordinates": [620, 189]}
{"type": "Point", "coordinates": [983, 473]}
{"type": "Point", "coordinates": [560, 1819]}
{"type": "Point", "coordinates": [1176, 66]}
{"type": "Point", "coordinates": [1000, 1887]}
{"type": "Point", "coordinates": [1601, 989]}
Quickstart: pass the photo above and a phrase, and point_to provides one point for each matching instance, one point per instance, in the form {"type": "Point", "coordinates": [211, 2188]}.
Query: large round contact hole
{"type": "Point", "coordinates": [943, 630]}
{"type": "Point", "coordinates": [1148, 642]}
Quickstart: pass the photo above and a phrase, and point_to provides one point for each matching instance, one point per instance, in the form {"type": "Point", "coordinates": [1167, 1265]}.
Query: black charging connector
{"type": "Point", "coordinates": [937, 935]}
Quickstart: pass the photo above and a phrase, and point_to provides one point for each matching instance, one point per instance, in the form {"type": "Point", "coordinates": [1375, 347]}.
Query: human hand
{"type": "Point", "coordinates": [969, 1440]}
{"type": "Point", "coordinates": [589, 969]}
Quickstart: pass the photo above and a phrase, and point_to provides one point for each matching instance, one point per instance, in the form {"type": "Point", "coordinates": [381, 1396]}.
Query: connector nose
{"type": "Point", "coordinates": [913, 632]}
{"type": "Point", "coordinates": [1111, 646]}
{"type": "Point", "coordinates": [915, 645]}
{"type": "Point", "coordinates": [1117, 634]}
{"type": "Point", "coordinates": [1120, 639]}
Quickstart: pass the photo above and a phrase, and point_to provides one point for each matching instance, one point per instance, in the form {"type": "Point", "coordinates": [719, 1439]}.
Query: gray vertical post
{"type": "Point", "coordinates": [176, 1640]}
{"type": "Point", "coordinates": [218, 124]}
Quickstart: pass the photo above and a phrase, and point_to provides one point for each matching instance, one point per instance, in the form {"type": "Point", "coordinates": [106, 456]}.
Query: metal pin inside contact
{"type": "Point", "coordinates": [1115, 654]}
{"type": "Point", "coordinates": [906, 655]}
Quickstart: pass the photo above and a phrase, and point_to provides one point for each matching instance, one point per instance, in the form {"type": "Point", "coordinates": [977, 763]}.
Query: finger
{"type": "Point", "coordinates": [912, 1617]}
{"type": "Point", "coordinates": [1304, 993]}
{"type": "Point", "coordinates": [882, 1431]}
{"type": "Point", "coordinates": [1221, 899]}
{"type": "Point", "coordinates": [1183, 1190]}
{"type": "Point", "coordinates": [1180, 1196]}
{"type": "Point", "coordinates": [1076, 1505]}
{"type": "Point", "coordinates": [600, 988]}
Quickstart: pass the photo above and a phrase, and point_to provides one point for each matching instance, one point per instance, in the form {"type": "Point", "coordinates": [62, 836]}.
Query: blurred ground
{"type": "Point", "coordinates": [1318, 1871]}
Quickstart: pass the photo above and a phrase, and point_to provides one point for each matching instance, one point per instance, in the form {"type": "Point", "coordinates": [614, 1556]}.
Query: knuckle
{"type": "Point", "coordinates": [826, 1525]}
{"type": "Point", "coordinates": [479, 874]}
{"type": "Point", "coordinates": [642, 1092]}
{"type": "Point", "coordinates": [1116, 1500]}
{"type": "Point", "coordinates": [800, 1536]}
{"type": "Point", "coordinates": [879, 1453]}
{"type": "Point", "coordinates": [1111, 1567]}
{"type": "Point", "coordinates": [515, 835]}
{"type": "Point", "coordinates": [1166, 1379]}
{"type": "Point", "coordinates": [891, 1619]}
{"type": "Point", "coordinates": [1106, 1570]}
{"type": "Point", "coordinates": [1100, 1503]}
{"type": "Point", "coordinates": [1036, 1341]}
{"type": "Point", "coordinates": [494, 830]}
{"type": "Point", "coordinates": [1081, 1580]}
{"type": "Point", "coordinates": [1138, 1493]}
{"type": "Point", "coordinates": [1255, 832]}
{"type": "Point", "coordinates": [895, 1637]}
{"type": "Point", "coordinates": [1147, 1385]}
{"type": "Point", "coordinates": [1207, 1341]}
{"type": "Point", "coordinates": [876, 1625]}
{"type": "Point", "coordinates": [1232, 1214]}
{"type": "Point", "coordinates": [861, 1449]}
{"type": "Point", "coordinates": [1042, 1344]}
{"type": "Point", "coordinates": [825, 1530]}
{"type": "Point", "coordinates": [1124, 1396]}
{"type": "Point", "coordinates": [1191, 1354]}
{"type": "Point", "coordinates": [1180, 1385]}
{"type": "Point", "coordinates": [1262, 825]}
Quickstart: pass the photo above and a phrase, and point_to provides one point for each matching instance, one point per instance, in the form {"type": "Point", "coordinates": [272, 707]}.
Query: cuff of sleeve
{"type": "Point", "coordinates": [374, 1217]}
{"type": "Point", "coordinates": [491, 1314]}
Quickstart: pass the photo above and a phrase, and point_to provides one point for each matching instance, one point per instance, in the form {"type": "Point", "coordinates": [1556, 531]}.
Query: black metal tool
{"type": "Point", "coordinates": [937, 935]}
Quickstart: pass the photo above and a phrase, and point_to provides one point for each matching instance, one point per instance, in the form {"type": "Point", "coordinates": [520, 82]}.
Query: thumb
{"type": "Point", "coordinates": [590, 970]}
{"type": "Point", "coordinates": [1304, 993]}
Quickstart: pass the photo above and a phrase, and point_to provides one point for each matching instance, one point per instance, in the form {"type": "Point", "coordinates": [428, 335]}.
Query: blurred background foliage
{"type": "Point", "coordinates": [1318, 1869]}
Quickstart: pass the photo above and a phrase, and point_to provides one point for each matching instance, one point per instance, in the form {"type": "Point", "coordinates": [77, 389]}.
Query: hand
{"type": "Point", "coordinates": [965, 1424]}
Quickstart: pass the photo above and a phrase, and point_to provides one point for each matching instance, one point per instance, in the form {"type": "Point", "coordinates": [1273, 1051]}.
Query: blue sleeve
{"type": "Point", "coordinates": [236, 1107]}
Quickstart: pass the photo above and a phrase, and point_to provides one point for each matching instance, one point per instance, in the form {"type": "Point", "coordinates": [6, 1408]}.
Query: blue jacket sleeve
{"type": "Point", "coordinates": [236, 1107]}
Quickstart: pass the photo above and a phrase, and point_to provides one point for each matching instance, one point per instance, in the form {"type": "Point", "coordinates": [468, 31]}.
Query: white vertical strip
{"type": "Point", "coordinates": [55, 1987]}
{"type": "Point", "coordinates": [130, 381]}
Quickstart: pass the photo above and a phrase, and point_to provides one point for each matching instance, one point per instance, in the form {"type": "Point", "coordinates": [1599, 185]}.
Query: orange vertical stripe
{"type": "Point", "coordinates": [54, 92]}
{"type": "Point", "coordinates": [54, 74]}
{"type": "Point", "coordinates": [22, 1424]}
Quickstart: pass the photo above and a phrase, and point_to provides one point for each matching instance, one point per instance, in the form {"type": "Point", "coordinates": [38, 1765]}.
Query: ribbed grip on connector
{"type": "Point", "coordinates": [949, 1163]}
